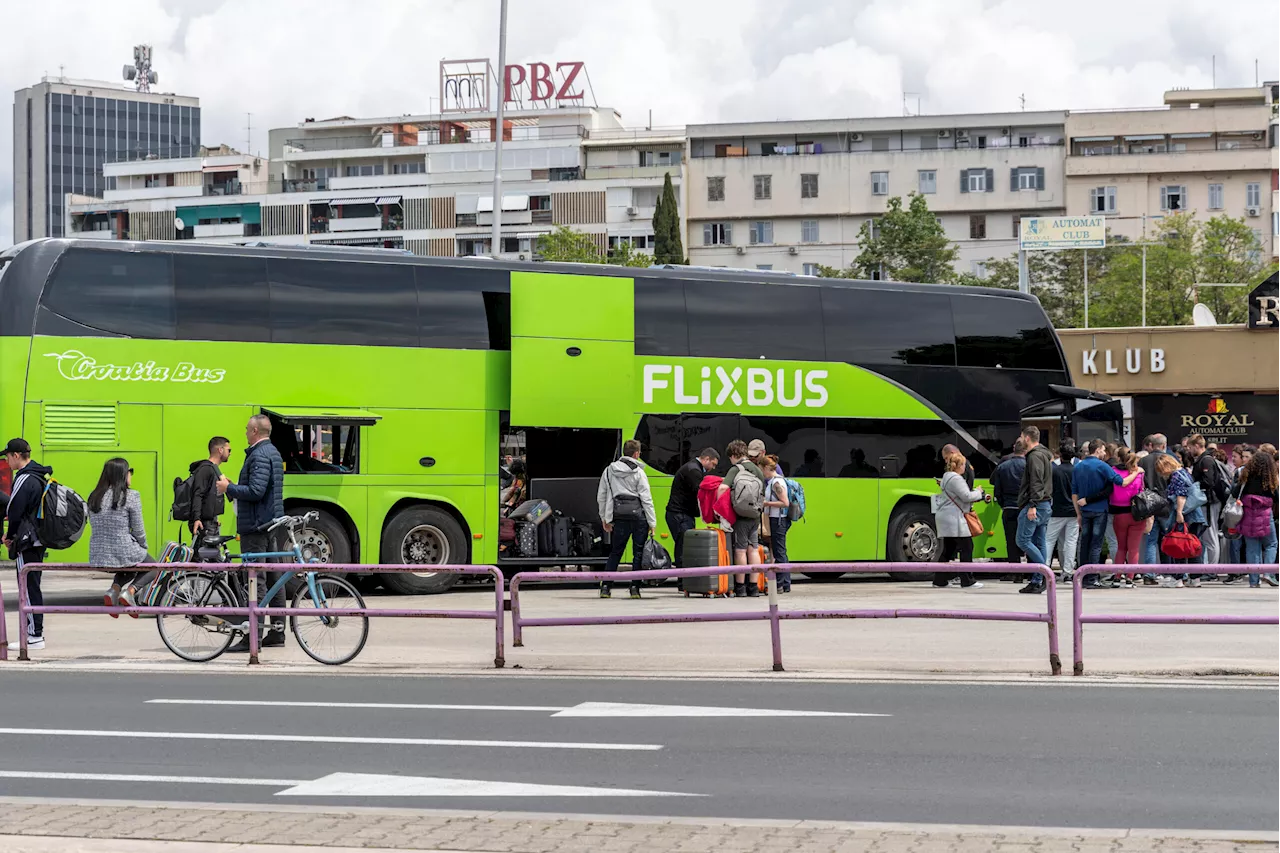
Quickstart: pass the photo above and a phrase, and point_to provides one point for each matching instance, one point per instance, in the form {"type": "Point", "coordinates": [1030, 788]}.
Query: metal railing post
{"type": "Point", "coordinates": [23, 604]}
{"type": "Point", "coordinates": [499, 619]}
{"type": "Point", "coordinates": [4, 635]}
{"type": "Point", "coordinates": [253, 623]}
{"type": "Point", "coordinates": [775, 625]}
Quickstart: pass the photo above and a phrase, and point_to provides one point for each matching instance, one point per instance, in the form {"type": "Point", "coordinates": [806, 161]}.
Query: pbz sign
{"type": "Point", "coordinates": [539, 83]}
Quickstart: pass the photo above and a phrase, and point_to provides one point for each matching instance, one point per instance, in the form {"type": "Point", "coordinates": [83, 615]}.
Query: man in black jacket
{"type": "Point", "coordinates": [20, 532]}
{"type": "Point", "coordinates": [259, 497]}
{"type": "Point", "coordinates": [1006, 480]}
{"type": "Point", "coordinates": [1064, 526]}
{"type": "Point", "coordinates": [207, 503]}
{"type": "Point", "coordinates": [1035, 505]}
{"type": "Point", "coordinates": [682, 506]}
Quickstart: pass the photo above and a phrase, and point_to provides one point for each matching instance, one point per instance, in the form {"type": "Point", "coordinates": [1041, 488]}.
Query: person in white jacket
{"type": "Point", "coordinates": [955, 499]}
{"type": "Point", "coordinates": [626, 510]}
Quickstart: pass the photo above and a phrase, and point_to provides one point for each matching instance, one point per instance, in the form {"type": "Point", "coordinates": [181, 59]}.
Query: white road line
{"type": "Point", "coordinates": [131, 777]}
{"type": "Point", "coordinates": [583, 709]}
{"type": "Point", "coordinates": [377, 785]}
{"type": "Point", "coordinates": [296, 738]}
{"type": "Point", "coordinates": [386, 706]}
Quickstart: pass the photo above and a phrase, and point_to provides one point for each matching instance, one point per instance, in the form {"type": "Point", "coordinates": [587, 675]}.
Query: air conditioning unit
{"type": "Point", "coordinates": [944, 134]}
{"type": "Point", "coordinates": [522, 256]}
{"type": "Point", "coordinates": [1253, 211]}
{"type": "Point", "coordinates": [741, 250]}
{"type": "Point", "coordinates": [793, 251]}
{"type": "Point", "coordinates": [631, 211]}
{"type": "Point", "coordinates": [857, 137]}
{"type": "Point", "coordinates": [1006, 131]}
{"type": "Point", "coordinates": [962, 134]}
{"type": "Point", "coordinates": [1257, 134]}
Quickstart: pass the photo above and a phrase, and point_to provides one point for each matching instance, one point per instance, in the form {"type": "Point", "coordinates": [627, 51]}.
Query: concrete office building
{"type": "Point", "coordinates": [1209, 151]}
{"type": "Point", "coordinates": [65, 131]}
{"type": "Point", "coordinates": [418, 182]}
{"type": "Point", "coordinates": [790, 195]}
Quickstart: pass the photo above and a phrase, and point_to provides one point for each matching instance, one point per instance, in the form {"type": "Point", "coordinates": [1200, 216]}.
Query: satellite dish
{"type": "Point", "coordinates": [1202, 316]}
{"type": "Point", "coordinates": [179, 225]}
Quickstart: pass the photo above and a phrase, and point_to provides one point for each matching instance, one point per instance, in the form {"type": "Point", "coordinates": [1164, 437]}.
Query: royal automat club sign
{"type": "Point", "coordinates": [1264, 305]}
{"type": "Point", "coordinates": [1223, 419]}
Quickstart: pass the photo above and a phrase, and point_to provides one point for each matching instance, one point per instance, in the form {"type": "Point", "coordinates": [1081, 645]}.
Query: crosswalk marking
{"type": "Point", "coordinates": [582, 709]}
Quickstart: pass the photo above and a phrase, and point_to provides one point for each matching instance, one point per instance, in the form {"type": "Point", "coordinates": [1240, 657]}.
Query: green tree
{"type": "Point", "coordinates": [565, 244]}
{"type": "Point", "coordinates": [905, 244]}
{"type": "Point", "coordinates": [668, 247]}
{"type": "Point", "coordinates": [1229, 253]}
{"type": "Point", "coordinates": [1057, 279]}
{"type": "Point", "coordinates": [626, 256]}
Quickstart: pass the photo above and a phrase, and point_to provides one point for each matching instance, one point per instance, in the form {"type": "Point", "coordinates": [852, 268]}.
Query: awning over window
{"type": "Point", "coordinates": [1145, 137]}
{"type": "Point", "coordinates": [388, 199]}
{"type": "Point", "coordinates": [464, 204]}
{"type": "Point", "coordinates": [248, 213]}
{"type": "Point", "coordinates": [1191, 135]}
{"type": "Point", "coordinates": [509, 202]}
{"type": "Point", "coordinates": [531, 235]}
{"type": "Point", "coordinates": [334, 417]}
{"type": "Point", "coordinates": [1092, 138]}
{"type": "Point", "coordinates": [337, 202]}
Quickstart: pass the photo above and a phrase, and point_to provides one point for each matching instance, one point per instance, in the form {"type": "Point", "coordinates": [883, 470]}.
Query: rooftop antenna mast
{"type": "Point", "coordinates": [905, 95]}
{"type": "Point", "coordinates": [140, 71]}
{"type": "Point", "coordinates": [248, 133]}
{"type": "Point", "coordinates": [1022, 101]}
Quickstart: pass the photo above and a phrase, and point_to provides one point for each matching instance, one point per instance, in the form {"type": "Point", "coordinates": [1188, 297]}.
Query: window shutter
{"type": "Point", "coordinates": [1013, 180]}
{"type": "Point", "coordinates": [1111, 199]}
{"type": "Point", "coordinates": [964, 180]}
{"type": "Point", "coordinates": [1039, 178]}
{"type": "Point", "coordinates": [991, 180]}
{"type": "Point", "coordinates": [1164, 198]}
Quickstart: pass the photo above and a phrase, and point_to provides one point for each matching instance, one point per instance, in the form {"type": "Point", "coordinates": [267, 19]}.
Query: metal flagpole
{"type": "Point", "coordinates": [1144, 285]}
{"type": "Point", "coordinates": [496, 238]}
{"type": "Point", "coordinates": [1086, 288]}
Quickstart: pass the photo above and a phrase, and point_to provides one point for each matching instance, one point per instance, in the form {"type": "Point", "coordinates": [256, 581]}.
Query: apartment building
{"type": "Point", "coordinates": [1208, 151]}
{"type": "Point", "coordinates": [421, 183]}
{"type": "Point", "coordinates": [792, 195]}
{"type": "Point", "coordinates": [65, 131]}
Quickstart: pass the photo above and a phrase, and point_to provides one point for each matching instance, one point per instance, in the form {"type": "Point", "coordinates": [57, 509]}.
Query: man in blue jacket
{"type": "Point", "coordinates": [259, 497]}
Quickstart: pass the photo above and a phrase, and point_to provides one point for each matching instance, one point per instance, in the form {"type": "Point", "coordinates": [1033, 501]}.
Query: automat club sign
{"type": "Point", "coordinates": [75, 366]}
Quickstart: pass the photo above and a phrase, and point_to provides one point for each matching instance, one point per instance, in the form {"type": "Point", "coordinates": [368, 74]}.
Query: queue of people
{"type": "Point", "coordinates": [118, 539]}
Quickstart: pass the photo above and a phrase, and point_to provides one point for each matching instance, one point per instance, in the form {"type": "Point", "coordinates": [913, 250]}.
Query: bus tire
{"type": "Point", "coordinates": [422, 534]}
{"type": "Point", "coordinates": [824, 577]}
{"type": "Point", "coordinates": [913, 539]}
{"type": "Point", "coordinates": [325, 539]}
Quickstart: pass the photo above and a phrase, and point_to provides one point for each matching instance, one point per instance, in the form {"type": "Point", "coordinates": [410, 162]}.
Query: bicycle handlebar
{"type": "Point", "coordinates": [294, 521]}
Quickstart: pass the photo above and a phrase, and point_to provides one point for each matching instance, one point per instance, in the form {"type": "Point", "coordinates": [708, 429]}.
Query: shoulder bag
{"type": "Point", "coordinates": [970, 517]}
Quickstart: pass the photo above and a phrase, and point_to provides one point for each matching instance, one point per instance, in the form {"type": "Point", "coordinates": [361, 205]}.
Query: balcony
{"type": "Point", "coordinates": [357, 223]}
{"type": "Point", "coordinates": [629, 172]}
{"type": "Point", "coordinates": [1173, 162]}
{"type": "Point", "coordinates": [370, 182]}
{"type": "Point", "coordinates": [92, 235]}
{"type": "Point", "coordinates": [148, 193]}
{"type": "Point", "coordinates": [226, 229]}
{"type": "Point", "coordinates": [540, 217]}
{"type": "Point", "coordinates": [232, 187]}
{"type": "Point", "coordinates": [311, 147]}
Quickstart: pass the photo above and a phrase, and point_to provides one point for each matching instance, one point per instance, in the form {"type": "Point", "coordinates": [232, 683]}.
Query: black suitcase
{"type": "Point", "coordinates": [582, 539]}
{"type": "Point", "coordinates": [705, 547]}
{"type": "Point", "coordinates": [553, 536]}
{"type": "Point", "coordinates": [526, 544]}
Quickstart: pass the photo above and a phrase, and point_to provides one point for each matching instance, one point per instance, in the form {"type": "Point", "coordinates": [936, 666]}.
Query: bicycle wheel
{"type": "Point", "coordinates": [196, 638]}
{"type": "Point", "coordinates": [329, 639]}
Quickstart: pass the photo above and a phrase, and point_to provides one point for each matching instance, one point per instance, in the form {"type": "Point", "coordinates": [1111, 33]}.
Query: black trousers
{"type": "Point", "coordinates": [634, 530]}
{"type": "Point", "coordinates": [953, 546]}
{"type": "Point", "coordinates": [35, 596]}
{"type": "Point", "coordinates": [1009, 519]}
{"type": "Point", "coordinates": [262, 543]}
{"type": "Point", "coordinates": [679, 524]}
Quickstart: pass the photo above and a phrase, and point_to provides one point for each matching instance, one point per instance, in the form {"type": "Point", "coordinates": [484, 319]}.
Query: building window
{"type": "Point", "coordinates": [976, 181]}
{"type": "Point", "coordinates": [1024, 141]}
{"type": "Point", "coordinates": [764, 187]}
{"type": "Point", "coordinates": [1017, 227]}
{"type": "Point", "coordinates": [366, 171]}
{"type": "Point", "coordinates": [928, 181]}
{"type": "Point", "coordinates": [1255, 251]}
{"type": "Point", "coordinates": [1102, 200]}
{"type": "Point", "coordinates": [414, 168]}
{"type": "Point", "coordinates": [809, 269]}
{"type": "Point", "coordinates": [715, 189]}
{"type": "Point", "coordinates": [1275, 223]}
{"type": "Point", "coordinates": [808, 186]}
{"type": "Point", "coordinates": [982, 142]}
{"type": "Point", "coordinates": [1027, 178]}
{"type": "Point", "coordinates": [808, 230]}
{"type": "Point", "coordinates": [761, 231]}
{"type": "Point", "coordinates": [717, 234]}
{"type": "Point", "coordinates": [978, 227]}
{"type": "Point", "coordinates": [764, 266]}
{"type": "Point", "coordinates": [879, 183]}
{"type": "Point", "coordinates": [1253, 195]}
{"type": "Point", "coordinates": [979, 269]}
{"type": "Point", "coordinates": [875, 229]}
{"type": "Point", "coordinates": [1173, 198]}
{"type": "Point", "coordinates": [1215, 197]}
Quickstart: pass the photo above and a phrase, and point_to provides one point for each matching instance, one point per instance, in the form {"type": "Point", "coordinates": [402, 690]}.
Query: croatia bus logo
{"type": "Point", "coordinates": [75, 366]}
{"type": "Point", "coordinates": [1217, 406]}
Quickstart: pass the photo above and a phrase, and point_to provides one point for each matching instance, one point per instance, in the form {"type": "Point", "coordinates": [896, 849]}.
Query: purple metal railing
{"type": "Point", "coordinates": [775, 616]}
{"type": "Point", "coordinates": [254, 610]}
{"type": "Point", "coordinates": [4, 636]}
{"type": "Point", "coordinates": [1078, 617]}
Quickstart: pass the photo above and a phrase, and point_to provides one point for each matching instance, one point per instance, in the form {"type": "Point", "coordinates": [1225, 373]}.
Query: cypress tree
{"type": "Point", "coordinates": [668, 247]}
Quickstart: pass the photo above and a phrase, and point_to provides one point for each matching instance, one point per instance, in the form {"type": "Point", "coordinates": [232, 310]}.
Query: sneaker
{"type": "Point", "coordinates": [1033, 589]}
{"type": "Point", "coordinates": [111, 598]}
{"type": "Point", "coordinates": [1194, 582]}
{"type": "Point", "coordinates": [1172, 583]}
{"type": "Point", "coordinates": [1150, 582]}
{"type": "Point", "coordinates": [753, 591]}
{"type": "Point", "coordinates": [1230, 579]}
{"type": "Point", "coordinates": [240, 647]}
{"type": "Point", "coordinates": [1093, 585]}
{"type": "Point", "coordinates": [974, 585]}
{"type": "Point", "coordinates": [605, 591]}
{"type": "Point", "coordinates": [1126, 583]}
{"type": "Point", "coordinates": [274, 638]}
{"type": "Point", "coordinates": [784, 588]}
{"type": "Point", "coordinates": [1270, 580]}
{"type": "Point", "coordinates": [126, 599]}
{"type": "Point", "coordinates": [739, 590]}
{"type": "Point", "coordinates": [32, 643]}
{"type": "Point", "coordinates": [635, 590]}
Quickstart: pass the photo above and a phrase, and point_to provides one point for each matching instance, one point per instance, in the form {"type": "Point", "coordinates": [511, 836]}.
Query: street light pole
{"type": "Point", "coordinates": [1144, 285]}
{"type": "Point", "coordinates": [1086, 288]}
{"type": "Point", "coordinates": [496, 238]}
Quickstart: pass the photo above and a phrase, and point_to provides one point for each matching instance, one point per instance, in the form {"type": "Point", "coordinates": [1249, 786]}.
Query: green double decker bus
{"type": "Point", "coordinates": [393, 382]}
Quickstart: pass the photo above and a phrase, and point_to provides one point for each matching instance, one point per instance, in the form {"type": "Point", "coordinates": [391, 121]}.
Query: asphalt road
{"type": "Point", "coordinates": [1035, 755]}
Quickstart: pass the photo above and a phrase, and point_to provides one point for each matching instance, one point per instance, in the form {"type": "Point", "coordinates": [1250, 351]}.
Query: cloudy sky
{"type": "Point", "coordinates": [283, 60]}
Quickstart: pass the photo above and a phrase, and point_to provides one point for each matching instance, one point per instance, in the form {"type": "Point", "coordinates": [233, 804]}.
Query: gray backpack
{"type": "Point", "coordinates": [747, 494]}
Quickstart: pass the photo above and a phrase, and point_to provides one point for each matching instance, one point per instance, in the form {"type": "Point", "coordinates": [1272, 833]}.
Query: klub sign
{"type": "Point", "coordinates": [467, 85]}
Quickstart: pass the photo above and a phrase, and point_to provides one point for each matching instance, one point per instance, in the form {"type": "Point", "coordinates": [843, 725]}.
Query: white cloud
{"type": "Point", "coordinates": [284, 60]}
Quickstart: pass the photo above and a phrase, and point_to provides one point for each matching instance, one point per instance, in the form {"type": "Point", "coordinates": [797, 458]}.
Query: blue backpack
{"type": "Point", "coordinates": [795, 495]}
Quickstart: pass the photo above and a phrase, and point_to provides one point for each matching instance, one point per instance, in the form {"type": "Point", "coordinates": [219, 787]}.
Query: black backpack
{"type": "Point", "coordinates": [60, 517]}
{"type": "Point", "coordinates": [184, 492]}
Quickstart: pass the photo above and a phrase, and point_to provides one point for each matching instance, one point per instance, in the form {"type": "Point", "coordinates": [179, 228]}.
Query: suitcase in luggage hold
{"type": "Point", "coordinates": [582, 539]}
{"type": "Point", "coordinates": [553, 536]}
{"type": "Point", "coordinates": [706, 547]}
{"type": "Point", "coordinates": [526, 539]}
{"type": "Point", "coordinates": [535, 511]}
{"type": "Point", "coordinates": [506, 530]}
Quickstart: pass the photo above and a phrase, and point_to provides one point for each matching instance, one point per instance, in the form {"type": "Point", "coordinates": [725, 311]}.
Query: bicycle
{"type": "Point", "coordinates": [326, 638]}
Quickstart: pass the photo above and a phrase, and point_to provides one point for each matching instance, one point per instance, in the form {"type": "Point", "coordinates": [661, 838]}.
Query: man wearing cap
{"type": "Point", "coordinates": [755, 451]}
{"type": "Point", "coordinates": [20, 529]}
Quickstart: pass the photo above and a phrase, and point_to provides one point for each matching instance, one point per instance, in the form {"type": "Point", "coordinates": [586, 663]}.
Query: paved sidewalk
{"type": "Point", "coordinates": [819, 649]}
{"type": "Point", "coordinates": [215, 829]}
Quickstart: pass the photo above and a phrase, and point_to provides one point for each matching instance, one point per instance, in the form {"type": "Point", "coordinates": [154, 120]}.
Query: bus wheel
{"type": "Point", "coordinates": [326, 540]}
{"type": "Point", "coordinates": [912, 539]}
{"type": "Point", "coordinates": [426, 535]}
{"type": "Point", "coordinates": [824, 577]}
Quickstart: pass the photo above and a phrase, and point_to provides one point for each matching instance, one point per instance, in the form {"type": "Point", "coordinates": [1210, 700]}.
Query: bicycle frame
{"type": "Point", "coordinates": [296, 554]}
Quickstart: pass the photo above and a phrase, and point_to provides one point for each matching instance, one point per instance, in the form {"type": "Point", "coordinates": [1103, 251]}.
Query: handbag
{"type": "Point", "coordinates": [1178, 544]}
{"type": "Point", "coordinates": [1232, 513]}
{"type": "Point", "coordinates": [654, 558]}
{"type": "Point", "coordinates": [1148, 503]}
{"type": "Point", "coordinates": [1195, 498]}
{"type": "Point", "coordinates": [970, 518]}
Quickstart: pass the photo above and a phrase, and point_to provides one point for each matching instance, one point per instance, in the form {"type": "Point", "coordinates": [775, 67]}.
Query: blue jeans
{"type": "Point", "coordinates": [778, 528]}
{"type": "Point", "coordinates": [1151, 542]}
{"type": "Point", "coordinates": [1033, 536]}
{"type": "Point", "coordinates": [1259, 550]}
{"type": "Point", "coordinates": [1093, 532]}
